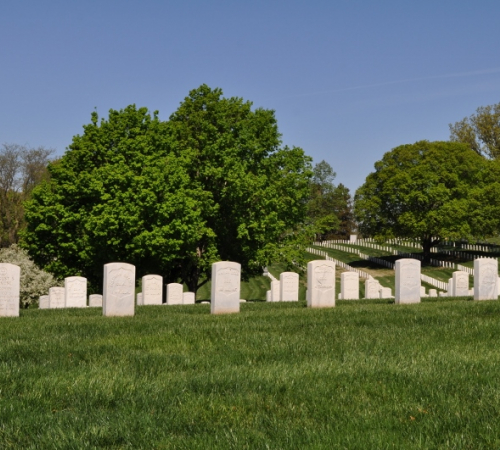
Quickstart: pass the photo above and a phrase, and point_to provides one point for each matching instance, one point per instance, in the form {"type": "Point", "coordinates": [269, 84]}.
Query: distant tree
{"type": "Point", "coordinates": [21, 169]}
{"type": "Point", "coordinates": [329, 206]}
{"type": "Point", "coordinates": [34, 281]}
{"type": "Point", "coordinates": [481, 131]}
{"type": "Point", "coordinates": [212, 183]}
{"type": "Point", "coordinates": [430, 191]}
{"type": "Point", "coordinates": [344, 211]}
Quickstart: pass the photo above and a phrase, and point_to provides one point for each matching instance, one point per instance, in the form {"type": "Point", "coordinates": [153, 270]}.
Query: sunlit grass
{"type": "Point", "coordinates": [366, 374]}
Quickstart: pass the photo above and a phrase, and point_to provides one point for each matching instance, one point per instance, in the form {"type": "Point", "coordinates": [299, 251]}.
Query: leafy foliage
{"type": "Point", "coordinates": [481, 131]}
{"type": "Point", "coordinates": [430, 190]}
{"type": "Point", "coordinates": [172, 197]}
{"type": "Point", "coordinates": [34, 281]}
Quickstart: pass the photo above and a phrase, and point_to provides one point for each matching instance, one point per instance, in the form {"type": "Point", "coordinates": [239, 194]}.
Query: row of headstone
{"type": "Point", "coordinates": [119, 287]}
{"type": "Point", "coordinates": [152, 286]}
{"type": "Point", "coordinates": [284, 290]}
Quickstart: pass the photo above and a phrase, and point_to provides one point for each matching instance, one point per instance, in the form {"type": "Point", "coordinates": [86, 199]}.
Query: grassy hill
{"type": "Point", "coordinates": [366, 374]}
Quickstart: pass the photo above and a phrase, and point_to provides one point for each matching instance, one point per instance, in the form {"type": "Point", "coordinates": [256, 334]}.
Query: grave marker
{"type": "Point", "coordinates": [188, 298]}
{"type": "Point", "coordinates": [10, 288]}
{"type": "Point", "coordinates": [407, 281]}
{"type": "Point", "coordinates": [43, 302]}
{"type": "Point", "coordinates": [75, 292]}
{"type": "Point", "coordinates": [95, 300]}
{"type": "Point", "coordinates": [460, 284]}
{"type": "Point", "coordinates": [289, 287]}
{"type": "Point", "coordinates": [349, 286]}
{"type": "Point", "coordinates": [174, 294]}
{"type": "Point", "coordinates": [320, 284]}
{"type": "Point", "coordinates": [485, 279]}
{"type": "Point", "coordinates": [56, 297]}
{"type": "Point", "coordinates": [118, 290]}
{"type": "Point", "coordinates": [225, 294]}
{"type": "Point", "coordinates": [152, 290]}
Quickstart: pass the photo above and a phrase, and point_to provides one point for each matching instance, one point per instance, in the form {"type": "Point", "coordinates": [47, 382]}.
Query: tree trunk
{"type": "Point", "coordinates": [427, 243]}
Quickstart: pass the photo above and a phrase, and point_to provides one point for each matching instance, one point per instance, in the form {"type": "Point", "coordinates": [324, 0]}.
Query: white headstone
{"type": "Point", "coordinates": [118, 297]}
{"type": "Point", "coordinates": [268, 296]}
{"type": "Point", "coordinates": [188, 298]}
{"type": "Point", "coordinates": [385, 292]}
{"type": "Point", "coordinates": [139, 299]}
{"type": "Point", "coordinates": [152, 290]}
{"type": "Point", "coordinates": [372, 288]}
{"type": "Point", "coordinates": [320, 284]}
{"type": "Point", "coordinates": [349, 286]}
{"type": "Point", "coordinates": [460, 284]}
{"type": "Point", "coordinates": [75, 292]}
{"type": "Point", "coordinates": [56, 297]}
{"type": "Point", "coordinates": [422, 291]}
{"type": "Point", "coordinates": [95, 300]}
{"type": "Point", "coordinates": [10, 288]}
{"type": "Point", "coordinates": [485, 279]}
{"type": "Point", "coordinates": [289, 287]}
{"type": "Point", "coordinates": [353, 238]}
{"type": "Point", "coordinates": [275, 291]}
{"type": "Point", "coordinates": [433, 293]}
{"type": "Point", "coordinates": [225, 295]}
{"type": "Point", "coordinates": [451, 292]}
{"type": "Point", "coordinates": [174, 294]}
{"type": "Point", "coordinates": [407, 281]}
{"type": "Point", "coordinates": [43, 302]}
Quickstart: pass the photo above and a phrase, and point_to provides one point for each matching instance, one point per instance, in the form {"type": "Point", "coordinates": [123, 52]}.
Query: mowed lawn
{"type": "Point", "coordinates": [363, 375]}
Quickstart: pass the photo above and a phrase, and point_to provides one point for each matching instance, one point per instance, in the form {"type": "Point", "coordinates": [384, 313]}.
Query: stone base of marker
{"type": "Point", "coordinates": [225, 294]}
{"type": "Point", "coordinates": [118, 297]}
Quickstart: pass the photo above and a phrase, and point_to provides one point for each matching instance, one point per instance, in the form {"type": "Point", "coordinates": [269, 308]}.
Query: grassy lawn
{"type": "Point", "coordinates": [366, 374]}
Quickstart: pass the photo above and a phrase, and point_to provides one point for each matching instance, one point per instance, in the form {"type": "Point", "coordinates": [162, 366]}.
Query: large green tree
{"type": "Point", "coordinates": [480, 131]}
{"type": "Point", "coordinates": [430, 191]}
{"type": "Point", "coordinates": [211, 183]}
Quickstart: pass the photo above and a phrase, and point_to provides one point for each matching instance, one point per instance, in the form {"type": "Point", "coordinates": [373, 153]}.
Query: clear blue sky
{"type": "Point", "coordinates": [349, 80]}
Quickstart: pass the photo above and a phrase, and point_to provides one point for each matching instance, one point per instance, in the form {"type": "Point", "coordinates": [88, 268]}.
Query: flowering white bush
{"type": "Point", "coordinates": [34, 281]}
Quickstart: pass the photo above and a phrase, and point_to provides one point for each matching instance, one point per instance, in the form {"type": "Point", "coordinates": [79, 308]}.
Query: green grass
{"type": "Point", "coordinates": [366, 374]}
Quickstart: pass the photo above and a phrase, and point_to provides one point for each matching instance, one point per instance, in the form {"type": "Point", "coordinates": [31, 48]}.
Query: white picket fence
{"type": "Point", "coordinates": [436, 283]}
{"type": "Point", "coordinates": [432, 281]}
{"type": "Point", "coordinates": [325, 255]}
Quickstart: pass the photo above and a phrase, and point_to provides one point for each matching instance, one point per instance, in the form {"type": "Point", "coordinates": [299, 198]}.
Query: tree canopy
{"type": "Point", "coordinates": [481, 131]}
{"type": "Point", "coordinates": [430, 191]}
{"type": "Point", "coordinates": [211, 183]}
